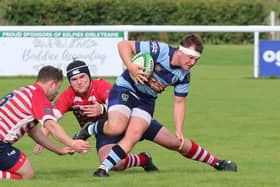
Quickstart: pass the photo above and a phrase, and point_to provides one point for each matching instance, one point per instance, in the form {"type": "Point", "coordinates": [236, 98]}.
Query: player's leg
{"type": "Point", "coordinates": [190, 150]}
{"type": "Point", "coordinates": [138, 112]}
{"type": "Point", "coordinates": [143, 159]}
{"type": "Point", "coordinates": [120, 106]}
{"type": "Point", "coordinates": [108, 127]}
{"type": "Point", "coordinates": [105, 143]}
{"type": "Point", "coordinates": [118, 113]}
{"type": "Point", "coordinates": [131, 160]}
{"type": "Point", "coordinates": [14, 164]}
{"type": "Point", "coordinates": [135, 129]}
{"type": "Point", "coordinates": [117, 120]}
{"type": "Point", "coordinates": [90, 129]}
{"type": "Point", "coordinates": [26, 171]}
{"type": "Point", "coordinates": [116, 154]}
{"type": "Point", "coordinates": [103, 146]}
{"type": "Point", "coordinates": [196, 152]}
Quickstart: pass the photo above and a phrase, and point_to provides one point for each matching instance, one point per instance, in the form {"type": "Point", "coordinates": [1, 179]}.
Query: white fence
{"type": "Point", "coordinates": [256, 29]}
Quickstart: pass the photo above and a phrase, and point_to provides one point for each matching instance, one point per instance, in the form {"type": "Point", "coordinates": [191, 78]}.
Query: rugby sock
{"type": "Point", "coordinates": [132, 160]}
{"type": "Point", "coordinates": [199, 154]}
{"type": "Point", "coordinates": [96, 127]}
{"type": "Point", "coordinates": [115, 156]}
{"type": "Point", "coordinates": [9, 175]}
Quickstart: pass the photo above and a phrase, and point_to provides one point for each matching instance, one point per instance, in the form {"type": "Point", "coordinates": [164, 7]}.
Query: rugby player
{"type": "Point", "coordinates": [20, 112]}
{"type": "Point", "coordinates": [133, 96]}
{"type": "Point", "coordinates": [87, 99]}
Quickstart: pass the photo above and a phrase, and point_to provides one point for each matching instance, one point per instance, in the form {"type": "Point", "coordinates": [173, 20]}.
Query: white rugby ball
{"type": "Point", "coordinates": [145, 60]}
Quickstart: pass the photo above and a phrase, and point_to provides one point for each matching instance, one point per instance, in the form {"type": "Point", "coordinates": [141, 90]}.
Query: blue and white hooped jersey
{"type": "Point", "coordinates": [165, 73]}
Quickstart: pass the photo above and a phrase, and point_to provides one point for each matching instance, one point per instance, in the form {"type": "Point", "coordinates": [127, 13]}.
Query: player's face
{"type": "Point", "coordinates": [53, 89]}
{"type": "Point", "coordinates": [185, 61]}
{"type": "Point", "coordinates": [80, 83]}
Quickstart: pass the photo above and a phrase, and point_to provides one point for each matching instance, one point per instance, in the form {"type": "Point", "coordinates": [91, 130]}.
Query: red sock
{"type": "Point", "coordinates": [9, 175]}
{"type": "Point", "coordinates": [135, 160]}
{"type": "Point", "coordinates": [199, 154]}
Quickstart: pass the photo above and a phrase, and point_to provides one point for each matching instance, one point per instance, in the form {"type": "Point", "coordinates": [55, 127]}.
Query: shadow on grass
{"type": "Point", "coordinates": [86, 174]}
{"type": "Point", "coordinates": [262, 78]}
{"type": "Point", "coordinates": [175, 171]}
{"type": "Point", "coordinates": [69, 173]}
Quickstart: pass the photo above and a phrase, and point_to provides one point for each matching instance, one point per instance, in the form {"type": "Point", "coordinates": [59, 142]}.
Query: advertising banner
{"type": "Point", "coordinates": [269, 59]}
{"type": "Point", "coordinates": [25, 52]}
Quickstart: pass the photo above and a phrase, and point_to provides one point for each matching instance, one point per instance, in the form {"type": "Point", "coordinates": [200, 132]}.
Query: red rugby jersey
{"type": "Point", "coordinates": [71, 101]}
{"type": "Point", "coordinates": [21, 110]}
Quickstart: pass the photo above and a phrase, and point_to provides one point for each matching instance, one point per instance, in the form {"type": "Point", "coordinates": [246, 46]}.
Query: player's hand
{"type": "Point", "coordinates": [37, 149]}
{"type": "Point", "coordinates": [137, 72]}
{"type": "Point", "coordinates": [81, 146]}
{"type": "Point", "coordinates": [180, 136]}
{"type": "Point", "coordinates": [93, 110]}
{"type": "Point", "coordinates": [65, 150]}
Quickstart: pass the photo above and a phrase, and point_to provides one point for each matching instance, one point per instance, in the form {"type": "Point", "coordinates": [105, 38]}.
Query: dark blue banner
{"type": "Point", "coordinates": [269, 59]}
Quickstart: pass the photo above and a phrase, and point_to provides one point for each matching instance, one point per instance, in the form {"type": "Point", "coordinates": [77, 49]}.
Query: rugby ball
{"type": "Point", "coordinates": [145, 60]}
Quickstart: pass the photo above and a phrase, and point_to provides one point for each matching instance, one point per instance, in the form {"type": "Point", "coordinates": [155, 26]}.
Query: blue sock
{"type": "Point", "coordinates": [96, 127]}
{"type": "Point", "coordinates": [115, 156]}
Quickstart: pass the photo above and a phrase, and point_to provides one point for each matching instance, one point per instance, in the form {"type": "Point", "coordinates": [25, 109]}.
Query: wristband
{"type": "Point", "coordinates": [104, 108]}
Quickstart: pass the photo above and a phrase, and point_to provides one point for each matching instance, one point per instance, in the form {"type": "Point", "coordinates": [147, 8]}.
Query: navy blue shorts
{"type": "Point", "coordinates": [150, 134]}
{"type": "Point", "coordinates": [10, 156]}
{"type": "Point", "coordinates": [124, 96]}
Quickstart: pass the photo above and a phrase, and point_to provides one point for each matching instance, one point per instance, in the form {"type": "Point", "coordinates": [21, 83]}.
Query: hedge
{"type": "Point", "coordinates": [135, 12]}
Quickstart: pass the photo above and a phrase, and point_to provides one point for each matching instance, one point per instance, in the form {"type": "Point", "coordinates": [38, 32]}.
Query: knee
{"type": "Point", "coordinates": [29, 175]}
{"type": "Point", "coordinates": [128, 142]}
{"type": "Point", "coordinates": [113, 130]}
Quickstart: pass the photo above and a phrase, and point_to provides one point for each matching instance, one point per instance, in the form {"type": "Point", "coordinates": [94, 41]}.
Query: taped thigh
{"type": "Point", "coordinates": [121, 108]}
{"type": "Point", "coordinates": [137, 112]}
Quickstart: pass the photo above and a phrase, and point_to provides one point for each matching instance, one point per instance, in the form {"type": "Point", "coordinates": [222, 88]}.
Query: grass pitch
{"type": "Point", "coordinates": [229, 113]}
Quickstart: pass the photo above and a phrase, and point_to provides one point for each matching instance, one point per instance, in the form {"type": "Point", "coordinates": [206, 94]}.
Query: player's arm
{"type": "Point", "coordinates": [96, 109]}
{"type": "Point", "coordinates": [43, 112]}
{"type": "Point", "coordinates": [38, 148]}
{"type": "Point", "coordinates": [38, 136]}
{"type": "Point", "coordinates": [179, 116]}
{"type": "Point", "coordinates": [126, 49]}
{"type": "Point", "coordinates": [99, 109]}
{"type": "Point", "coordinates": [58, 133]}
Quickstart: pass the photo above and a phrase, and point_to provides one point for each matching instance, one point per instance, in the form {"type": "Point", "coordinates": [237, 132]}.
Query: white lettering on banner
{"type": "Point", "coordinates": [270, 56]}
{"type": "Point", "coordinates": [64, 43]}
{"type": "Point", "coordinates": [29, 51]}
{"type": "Point", "coordinates": [12, 34]}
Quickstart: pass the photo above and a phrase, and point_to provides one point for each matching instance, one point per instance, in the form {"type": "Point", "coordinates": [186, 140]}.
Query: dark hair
{"type": "Point", "coordinates": [77, 67]}
{"type": "Point", "coordinates": [48, 73]}
{"type": "Point", "coordinates": [193, 39]}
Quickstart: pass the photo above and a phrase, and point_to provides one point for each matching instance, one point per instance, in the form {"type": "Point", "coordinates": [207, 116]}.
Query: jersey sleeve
{"type": "Point", "coordinates": [42, 108]}
{"type": "Point", "coordinates": [63, 103]}
{"type": "Point", "coordinates": [151, 47]}
{"type": "Point", "coordinates": [181, 88]}
{"type": "Point", "coordinates": [103, 90]}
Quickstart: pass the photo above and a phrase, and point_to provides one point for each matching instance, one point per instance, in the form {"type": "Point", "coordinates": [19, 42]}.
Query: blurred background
{"type": "Point", "coordinates": [147, 12]}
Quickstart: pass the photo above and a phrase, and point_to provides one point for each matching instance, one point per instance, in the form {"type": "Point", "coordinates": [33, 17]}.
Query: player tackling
{"type": "Point", "coordinates": [132, 100]}
{"type": "Point", "coordinates": [20, 112]}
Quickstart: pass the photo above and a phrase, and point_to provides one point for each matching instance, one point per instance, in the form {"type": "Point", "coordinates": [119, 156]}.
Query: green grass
{"type": "Point", "coordinates": [229, 113]}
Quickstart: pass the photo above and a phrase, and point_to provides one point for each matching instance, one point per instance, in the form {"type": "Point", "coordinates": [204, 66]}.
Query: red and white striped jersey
{"type": "Point", "coordinates": [70, 101]}
{"type": "Point", "coordinates": [21, 110]}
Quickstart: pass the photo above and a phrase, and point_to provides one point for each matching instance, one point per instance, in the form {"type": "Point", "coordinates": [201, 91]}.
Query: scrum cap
{"type": "Point", "coordinates": [77, 67]}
